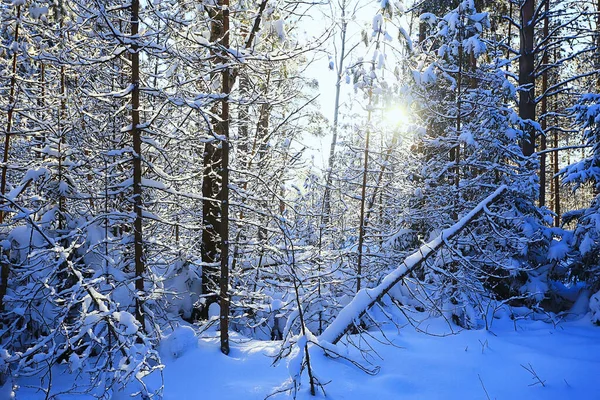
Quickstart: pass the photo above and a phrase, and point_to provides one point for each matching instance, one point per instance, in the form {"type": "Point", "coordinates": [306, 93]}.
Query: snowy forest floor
{"type": "Point", "coordinates": [475, 364]}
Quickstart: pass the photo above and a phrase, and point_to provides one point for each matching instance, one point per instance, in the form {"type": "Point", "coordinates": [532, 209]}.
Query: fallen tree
{"type": "Point", "coordinates": [366, 298]}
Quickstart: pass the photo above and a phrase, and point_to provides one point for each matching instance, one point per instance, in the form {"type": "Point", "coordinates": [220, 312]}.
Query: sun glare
{"type": "Point", "coordinates": [397, 117]}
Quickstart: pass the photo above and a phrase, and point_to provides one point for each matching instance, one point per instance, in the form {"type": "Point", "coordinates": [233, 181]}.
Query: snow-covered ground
{"type": "Point", "coordinates": [468, 365]}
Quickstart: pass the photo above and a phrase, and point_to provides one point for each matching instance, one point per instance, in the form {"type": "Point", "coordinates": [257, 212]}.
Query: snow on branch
{"type": "Point", "coordinates": [366, 298]}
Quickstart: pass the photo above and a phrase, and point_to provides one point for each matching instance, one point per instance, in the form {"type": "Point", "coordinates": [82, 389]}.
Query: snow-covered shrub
{"type": "Point", "coordinates": [595, 307]}
{"type": "Point", "coordinates": [60, 311]}
{"type": "Point", "coordinates": [583, 262]}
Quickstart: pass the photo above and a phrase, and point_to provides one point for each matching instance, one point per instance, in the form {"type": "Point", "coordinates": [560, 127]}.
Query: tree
{"type": "Point", "coordinates": [470, 145]}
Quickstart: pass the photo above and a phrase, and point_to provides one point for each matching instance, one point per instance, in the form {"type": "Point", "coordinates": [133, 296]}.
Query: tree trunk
{"type": "Point", "coordinates": [137, 164]}
{"type": "Point", "coordinates": [41, 103]}
{"type": "Point", "coordinates": [597, 55]}
{"type": "Point", "coordinates": [544, 116]}
{"type": "Point", "coordinates": [556, 179]}
{"type": "Point", "coordinates": [526, 76]}
{"type": "Point", "coordinates": [215, 184]}
{"type": "Point", "coordinates": [336, 111]}
{"type": "Point", "coordinates": [458, 115]}
{"type": "Point", "coordinates": [9, 116]}
{"type": "Point", "coordinates": [212, 164]}
{"type": "Point", "coordinates": [5, 269]}
{"type": "Point", "coordinates": [366, 298]}
{"type": "Point", "coordinates": [224, 231]}
{"type": "Point", "coordinates": [363, 195]}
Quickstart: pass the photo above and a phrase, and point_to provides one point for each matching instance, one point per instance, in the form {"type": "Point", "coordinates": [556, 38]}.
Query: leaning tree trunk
{"type": "Point", "coordinates": [366, 298]}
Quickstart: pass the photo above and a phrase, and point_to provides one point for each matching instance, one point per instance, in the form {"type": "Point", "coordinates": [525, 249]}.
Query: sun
{"type": "Point", "coordinates": [397, 117]}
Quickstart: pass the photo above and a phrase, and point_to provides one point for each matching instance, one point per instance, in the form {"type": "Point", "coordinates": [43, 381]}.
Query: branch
{"type": "Point", "coordinates": [366, 298]}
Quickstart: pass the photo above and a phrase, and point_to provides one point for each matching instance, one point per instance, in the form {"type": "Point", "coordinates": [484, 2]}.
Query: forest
{"type": "Point", "coordinates": [249, 199]}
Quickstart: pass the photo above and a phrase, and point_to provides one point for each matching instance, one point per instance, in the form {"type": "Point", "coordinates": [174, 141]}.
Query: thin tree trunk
{"type": "Point", "coordinates": [41, 104]}
{"type": "Point", "coordinates": [5, 269]}
{"type": "Point", "coordinates": [544, 122]}
{"type": "Point", "coordinates": [597, 55]}
{"type": "Point", "coordinates": [137, 164]}
{"type": "Point", "coordinates": [509, 38]}
{"type": "Point", "coordinates": [224, 231]}
{"type": "Point", "coordinates": [556, 179]}
{"type": "Point", "coordinates": [376, 189]}
{"type": "Point", "coordinates": [336, 111]}
{"type": "Point", "coordinates": [363, 196]}
{"type": "Point", "coordinates": [61, 141]}
{"type": "Point", "coordinates": [9, 116]}
{"type": "Point", "coordinates": [596, 188]}
{"type": "Point", "coordinates": [262, 132]}
{"type": "Point", "coordinates": [458, 115]}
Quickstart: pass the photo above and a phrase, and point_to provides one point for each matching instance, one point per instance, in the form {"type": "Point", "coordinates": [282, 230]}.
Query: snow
{"type": "Point", "coordinates": [558, 250]}
{"type": "Point", "coordinates": [127, 320]}
{"type": "Point", "coordinates": [181, 341]}
{"type": "Point", "coordinates": [467, 138]}
{"type": "Point", "coordinates": [428, 18]}
{"type": "Point", "coordinates": [377, 23]}
{"type": "Point", "coordinates": [406, 36]}
{"type": "Point", "coordinates": [416, 366]}
{"type": "Point", "coordinates": [38, 12]}
{"type": "Point", "coordinates": [595, 307]}
{"type": "Point", "coordinates": [295, 362]}
{"type": "Point", "coordinates": [279, 28]}
{"type": "Point", "coordinates": [587, 244]}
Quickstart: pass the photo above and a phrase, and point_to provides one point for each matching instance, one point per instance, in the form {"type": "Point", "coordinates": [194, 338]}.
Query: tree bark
{"type": "Point", "coordinates": [556, 192]}
{"type": "Point", "coordinates": [213, 163]}
{"type": "Point", "coordinates": [544, 116]}
{"type": "Point", "coordinates": [224, 197]}
{"type": "Point", "coordinates": [526, 76]}
{"type": "Point", "coordinates": [5, 268]}
{"type": "Point", "coordinates": [137, 164]}
{"type": "Point", "coordinates": [363, 196]}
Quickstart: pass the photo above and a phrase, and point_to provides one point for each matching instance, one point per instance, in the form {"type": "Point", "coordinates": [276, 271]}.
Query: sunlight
{"type": "Point", "coordinates": [396, 117]}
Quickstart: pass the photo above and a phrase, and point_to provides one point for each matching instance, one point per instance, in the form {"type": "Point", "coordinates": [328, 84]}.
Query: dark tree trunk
{"type": "Point", "coordinates": [556, 192]}
{"type": "Point", "coordinates": [544, 115]}
{"type": "Point", "coordinates": [136, 136]}
{"type": "Point", "coordinates": [224, 195]}
{"type": "Point", "coordinates": [5, 268]}
{"type": "Point", "coordinates": [211, 209]}
{"type": "Point", "coordinates": [526, 76]}
{"type": "Point", "coordinates": [215, 185]}
{"type": "Point", "coordinates": [363, 196]}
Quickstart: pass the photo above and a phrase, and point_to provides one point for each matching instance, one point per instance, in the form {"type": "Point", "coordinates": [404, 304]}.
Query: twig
{"type": "Point", "coordinates": [534, 374]}
{"type": "Point", "coordinates": [483, 386]}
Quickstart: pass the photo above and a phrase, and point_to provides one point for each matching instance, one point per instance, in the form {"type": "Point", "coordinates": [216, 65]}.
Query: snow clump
{"type": "Point", "coordinates": [179, 342]}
